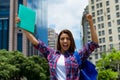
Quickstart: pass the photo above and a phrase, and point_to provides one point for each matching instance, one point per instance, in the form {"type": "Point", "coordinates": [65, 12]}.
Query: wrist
{"type": "Point", "coordinates": [90, 21]}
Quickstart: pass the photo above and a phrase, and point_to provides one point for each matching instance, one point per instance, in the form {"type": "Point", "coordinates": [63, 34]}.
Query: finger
{"type": "Point", "coordinates": [16, 15]}
{"type": "Point", "coordinates": [17, 19]}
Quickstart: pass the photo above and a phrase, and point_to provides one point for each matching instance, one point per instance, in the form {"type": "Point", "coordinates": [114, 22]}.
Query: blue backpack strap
{"type": "Point", "coordinates": [77, 57]}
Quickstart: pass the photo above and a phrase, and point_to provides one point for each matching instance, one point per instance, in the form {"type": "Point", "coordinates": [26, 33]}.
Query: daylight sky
{"type": "Point", "coordinates": [67, 14]}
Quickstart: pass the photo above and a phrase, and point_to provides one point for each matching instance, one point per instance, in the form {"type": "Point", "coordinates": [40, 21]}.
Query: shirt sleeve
{"type": "Point", "coordinates": [44, 49]}
{"type": "Point", "coordinates": [87, 50]}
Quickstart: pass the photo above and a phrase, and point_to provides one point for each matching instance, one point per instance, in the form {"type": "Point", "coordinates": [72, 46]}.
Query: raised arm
{"type": "Point", "coordinates": [92, 28]}
{"type": "Point", "coordinates": [90, 46]}
{"type": "Point", "coordinates": [41, 46]}
{"type": "Point", "coordinates": [30, 37]}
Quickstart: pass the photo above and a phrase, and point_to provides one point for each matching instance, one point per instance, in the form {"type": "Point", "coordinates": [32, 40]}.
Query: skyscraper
{"type": "Point", "coordinates": [106, 18]}
{"type": "Point", "coordinates": [40, 6]}
{"type": "Point", "coordinates": [41, 29]}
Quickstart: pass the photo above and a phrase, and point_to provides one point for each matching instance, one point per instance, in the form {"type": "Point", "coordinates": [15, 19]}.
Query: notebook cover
{"type": "Point", "coordinates": [27, 18]}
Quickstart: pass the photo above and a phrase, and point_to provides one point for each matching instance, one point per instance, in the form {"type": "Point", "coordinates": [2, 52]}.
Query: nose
{"type": "Point", "coordinates": [65, 40]}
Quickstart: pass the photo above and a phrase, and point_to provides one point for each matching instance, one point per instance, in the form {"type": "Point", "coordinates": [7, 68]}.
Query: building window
{"type": "Point", "coordinates": [100, 48]}
{"type": "Point", "coordinates": [93, 8]}
{"type": "Point", "coordinates": [101, 11]}
{"type": "Point", "coordinates": [19, 42]}
{"type": "Point", "coordinates": [118, 22]}
{"type": "Point", "coordinates": [110, 31]}
{"type": "Point", "coordinates": [4, 30]}
{"type": "Point", "coordinates": [100, 4]}
{"type": "Point", "coordinates": [103, 32]}
{"type": "Point", "coordinates": [88, 36]}
{"type": "Point", "coordinates": [107, 3]}
{"type": "Point", "coordinates": [118, 29]}
{"type": "Point", "coordinates": [110, 39]}
{"type": "Point", "coordinates": [102, 18]}
{"type": "Point", "coordinates": [99, 33]}
{"type": "Point", "coordinates": [109, 24]}
{"type": "Point", "coordinates": [92, 1]}
{"type": "Point", "coordinates": [108, 17]}
{"type": "Point", "coordinates": [96, 56]}
{"type": "Point", "coordinates": [99, 26]}
{"type": "Point", "coordinates": [97, 5]}
{"type": "Point", "coordinates": [93, 14]}
{"type": "Point", "coordinates": [98, 19]}
{"type": "Point", "coordinates": [100, 41]}
{"type": "Point", "coordinates": [108, 10]}
{"type": "Point", "coordinates": [103, 40]}
{"type": "Point", "coordinates": [116, 1]}
{"type": "Point", "coordinates": [104, 47]}
{"type": "Point", "coordinates": [117, 7]}
{"type": "Point", "coordinates": [94, 21]}
{"type": "Point", "coordinates": [118, 37]}
{"type": "Point", "coordinates": [118, 14]}
{"type": "Point", "coordinates": [111, 46]}
{"type": "Point", "coordinates": [102, 25]}
{"type": "Point", "coordinates": [98, 12]}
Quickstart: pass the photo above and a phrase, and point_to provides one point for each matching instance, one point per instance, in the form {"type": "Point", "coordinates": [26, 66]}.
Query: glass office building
{"type": "Point", "coordinates": [40, 6]}
{"type": "Point", "coordinates": [4, 23]}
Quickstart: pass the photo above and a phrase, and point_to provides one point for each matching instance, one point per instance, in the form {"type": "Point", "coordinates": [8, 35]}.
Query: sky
{"type": "Point", "coordinates": [67, 14]}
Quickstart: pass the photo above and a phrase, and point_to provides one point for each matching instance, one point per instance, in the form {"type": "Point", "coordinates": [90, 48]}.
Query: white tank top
{"type": "Point", "coordinates": [60, 68]}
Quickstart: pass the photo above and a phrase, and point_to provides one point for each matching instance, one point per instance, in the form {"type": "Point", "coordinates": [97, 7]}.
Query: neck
{"type": "Point", "coordinates": [62, 51]}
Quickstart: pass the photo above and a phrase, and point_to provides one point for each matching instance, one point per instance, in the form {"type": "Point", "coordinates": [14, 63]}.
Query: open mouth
{"type": "Point", "coordinates": [65, 46]}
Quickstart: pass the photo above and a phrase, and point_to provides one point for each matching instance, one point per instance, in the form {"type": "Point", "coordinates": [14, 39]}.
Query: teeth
{"type": "Point", "coordinates": [65, 44]}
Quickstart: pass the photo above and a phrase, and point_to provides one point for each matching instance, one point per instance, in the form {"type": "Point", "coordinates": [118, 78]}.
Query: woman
{"type": "Point", "coordinates": [62, 62]}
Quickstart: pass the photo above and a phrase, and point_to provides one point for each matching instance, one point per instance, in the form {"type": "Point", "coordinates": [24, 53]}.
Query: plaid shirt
{"type": "Point", "coordinates": [71, 65]}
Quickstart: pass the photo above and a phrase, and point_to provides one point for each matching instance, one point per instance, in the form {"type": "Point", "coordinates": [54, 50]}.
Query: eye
{"type": "Point", "coordinates": [62, 39]}
{"type": "Point", "coordinates": [68, 38]}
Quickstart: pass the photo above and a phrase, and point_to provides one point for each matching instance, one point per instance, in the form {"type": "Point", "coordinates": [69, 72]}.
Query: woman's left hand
{"type": "Point", "coordinates": [89, 17]}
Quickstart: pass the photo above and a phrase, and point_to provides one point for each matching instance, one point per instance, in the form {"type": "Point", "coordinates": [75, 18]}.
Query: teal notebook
{"type": "Point", "coordinates": [27, 18]}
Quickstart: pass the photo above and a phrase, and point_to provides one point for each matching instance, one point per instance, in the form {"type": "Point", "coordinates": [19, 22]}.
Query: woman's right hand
{"type": "Point", "coordinates": [28, 34]}
{"type": "Point", "coordinates": [17, 19]}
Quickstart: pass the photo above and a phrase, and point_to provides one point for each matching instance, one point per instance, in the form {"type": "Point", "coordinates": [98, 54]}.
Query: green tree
{"type": "Point", "coordinates": [7, 70]}
{"type": "Point", "coordinates": [107, 66]}
{"type": "Point", "coordinates": [14, 66]}
{"type": "Point", "coordinates": [36, 68]}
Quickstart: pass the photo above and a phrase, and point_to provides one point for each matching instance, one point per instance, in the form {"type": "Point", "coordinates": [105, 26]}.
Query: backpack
{"type": "Point", "coordinates": [87, 69]}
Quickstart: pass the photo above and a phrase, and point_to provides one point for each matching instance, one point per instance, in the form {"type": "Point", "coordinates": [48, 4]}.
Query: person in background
{"type": "Point", "coordinates": [62, 62]}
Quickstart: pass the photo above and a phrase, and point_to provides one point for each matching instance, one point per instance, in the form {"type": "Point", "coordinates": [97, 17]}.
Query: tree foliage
{"type": "Point", "coordinates": [107, 66]}
{"type": "Point", "coordinates": [14, 66]}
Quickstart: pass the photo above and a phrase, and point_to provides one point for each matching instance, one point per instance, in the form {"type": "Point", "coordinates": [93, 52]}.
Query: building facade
{"type": "Point", "coordinates": [106, 18]}
{"type": "Point", "coordinates": [52, 38]}
{"type": "Point", "coordinates": [4, 24]}
{"type": "Point", "coordinates": [10, 36]}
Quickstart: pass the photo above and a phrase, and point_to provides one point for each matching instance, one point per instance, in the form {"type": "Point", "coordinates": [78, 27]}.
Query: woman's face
{"type": "Point", "coordinates": [64, 42]}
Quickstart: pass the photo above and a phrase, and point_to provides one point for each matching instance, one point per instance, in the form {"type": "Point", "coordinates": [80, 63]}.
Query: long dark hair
{"type": "Point", "coordinates": [72, 45]}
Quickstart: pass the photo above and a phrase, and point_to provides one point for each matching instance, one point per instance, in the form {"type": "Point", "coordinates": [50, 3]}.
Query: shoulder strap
{"type": "Point", "coordinates": [77, 57]}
